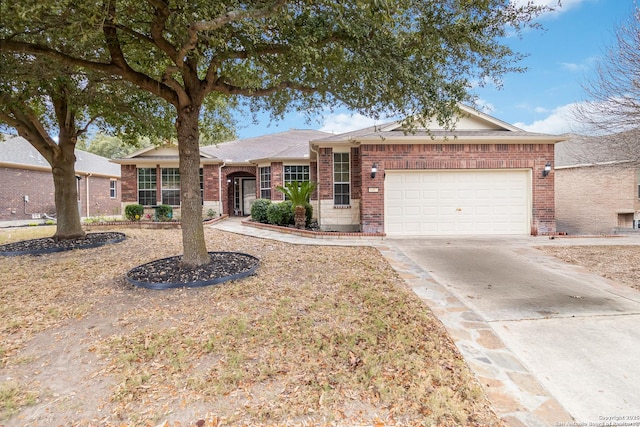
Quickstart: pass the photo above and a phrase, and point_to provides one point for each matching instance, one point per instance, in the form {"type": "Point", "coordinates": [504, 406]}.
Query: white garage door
{"type": "Point", "coordinates": [469, 202]}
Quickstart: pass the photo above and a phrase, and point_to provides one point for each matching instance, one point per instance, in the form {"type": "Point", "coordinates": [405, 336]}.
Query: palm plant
{"type": "Point", "coordinates": [299, 194]}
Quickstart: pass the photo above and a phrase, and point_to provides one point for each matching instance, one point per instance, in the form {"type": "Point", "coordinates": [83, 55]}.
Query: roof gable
{"type": "Point", "coordinates": [471, 126]}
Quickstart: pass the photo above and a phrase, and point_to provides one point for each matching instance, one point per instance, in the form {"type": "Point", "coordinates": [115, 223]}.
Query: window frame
{"type": "Point", "coordinates": [151, 186]}
{"type": "Point", "coordinates": [342, 198]}
{"type": "Point", "coordinates": [169, 193]}
{"type": "Point", "coordinates": [265, 182]}
{"type": "Point", "coordinates": [113, 188]}
{"type": "Point", "coordinates": [299, 174]}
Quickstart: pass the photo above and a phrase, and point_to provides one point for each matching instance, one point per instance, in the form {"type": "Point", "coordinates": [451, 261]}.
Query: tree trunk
{"type": "Point", "coordinates": [66, 189]}
{"type": "Point", "coordinates": [193, 244]}
{"type": "Point", "coordinates": [300, 217]}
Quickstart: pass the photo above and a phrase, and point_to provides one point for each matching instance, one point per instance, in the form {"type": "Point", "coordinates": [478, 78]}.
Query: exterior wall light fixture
{"type": "Point", "coordinates": [374, 170]}
{"type": "Point", "coordinates": [547, 169]}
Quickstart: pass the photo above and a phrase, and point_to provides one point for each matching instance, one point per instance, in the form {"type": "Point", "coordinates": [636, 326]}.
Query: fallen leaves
{"type": "Point", "coordinates": [620, 263]}
{"type": "Point", "coordinates": [319, 336]}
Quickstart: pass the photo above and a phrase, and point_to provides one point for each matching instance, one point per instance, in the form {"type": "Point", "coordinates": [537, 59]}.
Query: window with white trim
{"type": "Point", "coordinates": [341, 179]}
{"type": "Point", "coordinates": [147, 181]}
{"type": "Point", "coordinates": [170, 186]}
{"type": "Point", "coordinates": [265, 182]}
{"type": "Point", "coordinates": [296, 173]}
{"type": "Point", "coordinates": [113, 188]}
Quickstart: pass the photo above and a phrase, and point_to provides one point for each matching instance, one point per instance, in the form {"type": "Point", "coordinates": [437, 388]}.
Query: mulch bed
{"type": "Point", "coordinates": [168, 273]}
{"type": "Point", "coordinates": [163, 273]}
{"type": "Point", "coordinates": [49, 245]}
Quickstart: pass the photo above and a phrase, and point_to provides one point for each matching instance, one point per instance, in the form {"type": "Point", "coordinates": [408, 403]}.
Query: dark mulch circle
{"type": "Point", "coordinates": [168, 273]}
{"type": "Point", "coordinates": [48, 244]}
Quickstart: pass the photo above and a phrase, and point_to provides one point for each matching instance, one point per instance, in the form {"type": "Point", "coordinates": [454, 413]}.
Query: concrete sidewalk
{"type": "Point", "coordinates": [550, 342]}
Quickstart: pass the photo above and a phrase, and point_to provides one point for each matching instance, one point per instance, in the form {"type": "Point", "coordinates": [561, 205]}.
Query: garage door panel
{"type": "Point", "coordinates": [457, 202]}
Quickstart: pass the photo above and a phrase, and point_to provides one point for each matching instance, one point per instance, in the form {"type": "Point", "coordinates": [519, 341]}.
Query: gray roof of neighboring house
{"type": "Point", "coordinates": [15, 150]}
{"type": "Point", "coordinates": [290, 144]}
{"type": "Point", "coordinates": [581, 150]}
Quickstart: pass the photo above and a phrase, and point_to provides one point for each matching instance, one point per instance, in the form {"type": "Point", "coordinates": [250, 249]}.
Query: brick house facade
{"type": "Point", "coordinates": [380, 179]}
{"type": "Point", "coordinates": [27, 192]}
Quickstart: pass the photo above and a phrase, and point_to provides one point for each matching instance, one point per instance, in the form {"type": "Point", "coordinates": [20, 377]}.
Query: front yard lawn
{"type": "Point", "coordinates": [319, 336]}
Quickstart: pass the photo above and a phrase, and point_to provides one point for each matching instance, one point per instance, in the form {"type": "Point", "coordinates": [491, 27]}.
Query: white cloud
{"type": "Point", "coordinates": [561, 120]}
{"type": "Point", "coordinates": [345, 122]}
{"type": "Point", "coordinates": [565, 4]}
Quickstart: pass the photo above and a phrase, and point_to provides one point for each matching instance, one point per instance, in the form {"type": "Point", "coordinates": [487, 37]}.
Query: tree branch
{"type": "Point", "coordinates": [141, 80]}
{"type": "Point", "coordinates": [256, 92]}
{"type": "Point", "coordinates": [227, 18]}
{"type": "Point", "coordinates": [157, 25]}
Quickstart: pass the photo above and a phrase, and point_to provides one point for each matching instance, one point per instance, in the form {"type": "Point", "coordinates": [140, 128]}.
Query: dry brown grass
{"type": "Point", "coordinates": [620, 263]}
{"type": "Point", "coordinates": [319, 336]}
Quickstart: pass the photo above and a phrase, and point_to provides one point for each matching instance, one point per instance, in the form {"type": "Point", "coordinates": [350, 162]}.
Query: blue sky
{"type": "Point", "coordinates": [561, 58]}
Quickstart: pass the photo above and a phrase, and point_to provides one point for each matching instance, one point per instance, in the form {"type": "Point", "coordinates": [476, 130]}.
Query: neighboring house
{"type": "Point", "coordinates": [487, 177]}
{"type": "Point", "coordinates": [598, 184]}
{"type": "Point", "coordinates": [27, 190]}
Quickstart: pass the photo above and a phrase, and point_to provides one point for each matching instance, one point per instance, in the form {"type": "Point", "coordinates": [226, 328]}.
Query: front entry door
{"type": "Point", "coordinates": [248, 195]}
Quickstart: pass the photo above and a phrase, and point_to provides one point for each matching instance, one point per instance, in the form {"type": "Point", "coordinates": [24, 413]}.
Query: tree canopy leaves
{"type": "Point", "coordinates": [377, 57]}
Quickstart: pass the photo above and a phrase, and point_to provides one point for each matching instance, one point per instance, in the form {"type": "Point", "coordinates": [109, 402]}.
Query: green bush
{"type": "Point", "coordinates": [287, 212]}
{"type": "Point", "coordinates": [133, 212]}
{"type": "Point", "coordinates": [280, 213]}
{"type": "Point", "coordinates": [308, 212]}
{"type": "Point", "coordinates": [164, 213]}
{"type": "Point", "coordinates": [259, 210]}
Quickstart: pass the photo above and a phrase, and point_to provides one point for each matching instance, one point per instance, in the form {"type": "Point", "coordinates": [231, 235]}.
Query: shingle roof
{"type": "Point", "coordinates": [290, 144]}
{"type": "Point", "coordinates": [19, 152]}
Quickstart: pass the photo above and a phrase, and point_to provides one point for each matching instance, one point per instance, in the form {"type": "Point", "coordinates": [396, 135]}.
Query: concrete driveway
{"type": "Point", "coordinates": [550, 342]}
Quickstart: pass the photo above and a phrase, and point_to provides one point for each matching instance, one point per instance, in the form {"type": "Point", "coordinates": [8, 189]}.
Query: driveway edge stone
{"type": "Point", "coordinates": [515, 394]}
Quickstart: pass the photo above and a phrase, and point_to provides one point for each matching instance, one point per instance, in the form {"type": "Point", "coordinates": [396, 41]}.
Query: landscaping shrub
{"type": "Point", "coordinates": [280, 213]}
{"type": "Point", "coordinates": [133, 212]}
{"type": "Point", "coordinates": [259, 210]}
{"type": "Point", "coordinates": [164, 213]}
{"type": "Point", "coordinates": [308, 212]}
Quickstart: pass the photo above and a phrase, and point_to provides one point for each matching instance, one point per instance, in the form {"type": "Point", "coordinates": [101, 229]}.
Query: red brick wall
{"type": "Point", "coordinates": [100, 201]}
{"type": "Point", "coordinates": [211, 183]}
{"type": "Point", "coordinates": [129, 174]}
{"type": "Point", "coordinates": [325, 173]}
{"type": "Point", "coordinates": [277, 179]}
{"type": "Point", "coordinates": [16, 183]}
{"type": "Point", "coordinates": [38, 185]}
{"type": "Point", "coordinates": [457, 156]}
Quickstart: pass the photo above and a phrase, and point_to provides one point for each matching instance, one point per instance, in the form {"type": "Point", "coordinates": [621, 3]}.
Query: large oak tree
{"type": "Point", "coordinates": [56, 105]}
{"type": "Point", "coordinates": [396, 57]}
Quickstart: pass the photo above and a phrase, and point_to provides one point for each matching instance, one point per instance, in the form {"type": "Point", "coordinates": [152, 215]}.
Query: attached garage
{"type": "Point", "coordinates": [457, 202]}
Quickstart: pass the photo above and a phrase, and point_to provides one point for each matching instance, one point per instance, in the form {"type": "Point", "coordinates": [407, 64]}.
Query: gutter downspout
{"type": "Point", "coordinates": [318, 186]}
{"type": "Point", "coordinates": [220, 187]}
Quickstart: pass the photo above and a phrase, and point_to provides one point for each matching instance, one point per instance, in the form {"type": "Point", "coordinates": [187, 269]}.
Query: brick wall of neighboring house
{"type": "Point", "coordinates": [100, 202]}
{"type": "Point", "coordinates": [38, 185]}
{"type": "Point", "coordinates": [589, 199]}
{"type": "Point", "coordinates": [458, 156]}
{"type": "Point", "coordinates": [17, 183]}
